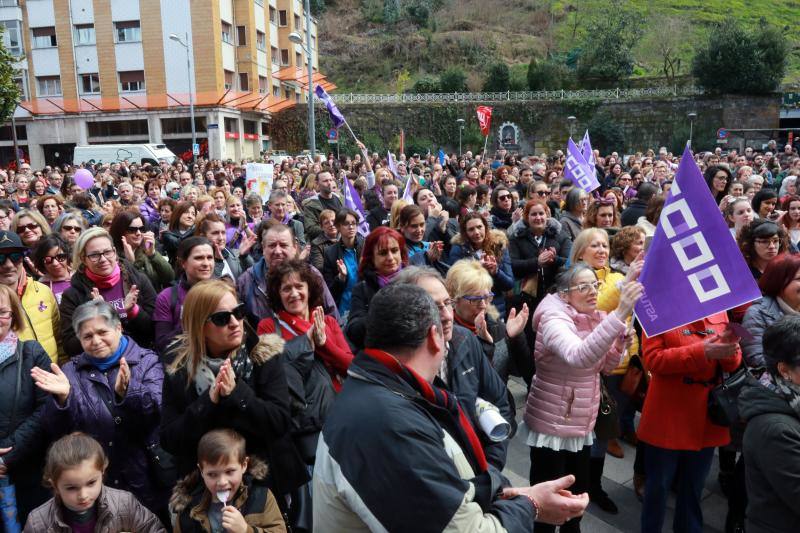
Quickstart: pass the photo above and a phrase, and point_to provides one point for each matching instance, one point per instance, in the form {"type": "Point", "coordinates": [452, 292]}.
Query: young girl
{"type": "Point", "coordinates": [81, 503]}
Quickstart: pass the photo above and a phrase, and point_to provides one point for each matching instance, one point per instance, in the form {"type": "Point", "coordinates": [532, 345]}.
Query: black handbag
{"type": "Point", "coordinates": [722, 398]}
{"type": "Point", "coordinates": [607, 425]}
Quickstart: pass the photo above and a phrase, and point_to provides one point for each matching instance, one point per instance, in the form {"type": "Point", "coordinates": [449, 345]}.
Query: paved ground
{"type": "Point", "coordinates": [618, 482]}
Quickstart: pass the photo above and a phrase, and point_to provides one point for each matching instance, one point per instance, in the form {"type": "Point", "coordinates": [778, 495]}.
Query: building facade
{"type": "Point", "coordinates": [124, 71]}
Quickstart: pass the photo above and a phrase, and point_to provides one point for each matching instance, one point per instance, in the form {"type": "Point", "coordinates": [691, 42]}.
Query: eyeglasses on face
{"type": "Point", "coordinates": [475, 300]}
{"type": "Point", "coordinates": [76, 229]}
{"type": "Point", "coordinates": [503, 197]}
{"type": "Point", "coordinates": [134, 229]}
{"type": "Point", "coordinates": [95, 257]}
{"type": "Point", "coordinates": [774, 241]}
{"type": "Point", "coordinates": [446, 304]}
{"type": "Point", "coordinates": [61, 258]}
{"type": "Point", "coordinates": [584, 288]}
{"type": "Point", "coordinates": [27, 227]}
{"type": "Point", "coordinates": [14, 257]}
{"type": "Point", "coordinates": [223, 318]}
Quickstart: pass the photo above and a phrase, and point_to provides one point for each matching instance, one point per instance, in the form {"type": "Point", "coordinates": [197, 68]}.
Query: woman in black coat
{"type": "Point", "coordinates": [22, 442]}
{"type": "Point", "coordinates": [102, 274]}
{"type": "Point", "coordinates": [212, 382]}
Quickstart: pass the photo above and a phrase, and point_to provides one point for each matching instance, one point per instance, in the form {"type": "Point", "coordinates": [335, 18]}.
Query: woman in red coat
{"type": "Point", "coordinates": [684, 364]}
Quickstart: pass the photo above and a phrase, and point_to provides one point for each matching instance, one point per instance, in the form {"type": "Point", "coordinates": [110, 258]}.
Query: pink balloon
{"type": "Point", "coordinates": [83, 179]}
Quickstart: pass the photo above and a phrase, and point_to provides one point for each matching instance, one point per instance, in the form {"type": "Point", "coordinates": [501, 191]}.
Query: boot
{"type": "Point", "coordinates": [596, 493]}
{"type": "Point", "coordinates": [614, 449]}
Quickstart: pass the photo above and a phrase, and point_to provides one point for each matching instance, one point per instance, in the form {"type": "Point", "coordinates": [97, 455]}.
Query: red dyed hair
{"type": "Point", "coordinates": [378, 238]}
{"type": "Point", "coordinates": [780, 271]}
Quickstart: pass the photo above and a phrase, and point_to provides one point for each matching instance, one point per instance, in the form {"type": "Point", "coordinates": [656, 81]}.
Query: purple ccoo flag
{"type": "Point", "coordinates": [586, 149]}
{"type": "Point", "coordinates": [336, 116]}
{"type": "Point", "coordinates": [578, 170]}
{"type": "Point", "coordinates": [693, 268]}
{"type": "Point", "coordinates": [352, 201]}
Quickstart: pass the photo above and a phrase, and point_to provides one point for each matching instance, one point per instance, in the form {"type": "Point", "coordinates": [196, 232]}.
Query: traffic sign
{"type": "Point", "coordinates": [333, 134]}
{"type": "Point", "coordinates": [196, 149]}
{"type": "Point", "coordinates": [722, 133]}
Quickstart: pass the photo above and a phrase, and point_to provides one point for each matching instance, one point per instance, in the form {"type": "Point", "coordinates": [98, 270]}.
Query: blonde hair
{"type": "Point", "coordinates": [17, 316]}
{"type": "Point", "coordinates": [33, 215]}
{"type": "Point", "coordinates": [467, 276]}
{"type": "Point", "coordinates": [201, 301]}
{"type": "Point", "coordinates": [83, 240]}
{"type": "Point", "coordinates": [582, 242]}
{"type": "Point", "coordinates": [394, 217]}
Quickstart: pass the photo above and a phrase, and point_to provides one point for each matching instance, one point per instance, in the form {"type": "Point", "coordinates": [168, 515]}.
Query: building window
{"type": "Point", "coordinates": [284, 57]}
{"type": "Point", "coordinates": [129, 31]}
{"type": "Point", "coordinates": [90, 83]}
{"type": "Point", "coordinates": [84, 34]}
{"type": "Point", "coordinates": [48, 85]}
{"type": "Point", "coordinates": [287, 93]}
{"type": "Point", "coordinates": [276, 92]}
{"type": "Point", "coordinates": [276, 56]}
{"type": "Point", "coordinates": [297, 26]}
{"type": "Point", "coordinates": [118, 128]}
{"type": "Point", "coordinates": [282, 18]}
{"type": "Point", "coordinates": [273, 15]}
{"type": "Point", "coordinates": [226, 33]}
{"type": "Point", "coordinates": [11, 36]}
{"type": "Point", "coordinates": [241, 35]}
{"type": "Point", "coordinates": [298, 59]}
{"type": "Point", "coordinates": [228, 80]}
{"type": "Point", "coordinates": [9, 3]}
{"type": "Point", "coordinates": [131, 81]}
{"type": "Point", "coordinates": [261, 41]}
{"type": "Point", "coordinates": [263, 85]}
{"type": "Point", "coordinates": [260, 3]}
{"type": "Point", "coordinates": [231, 125]}
{"type": "Point", "coordinates": [244, 82]}
{"type": "Point", "coordinates": [44, 37]}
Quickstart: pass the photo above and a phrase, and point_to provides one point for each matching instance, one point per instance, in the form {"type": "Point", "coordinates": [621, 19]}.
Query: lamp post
{"type": "Point", "coordinates": [189, 73]}
{"type": "Point", "coordinates": [14, 138]}
{"type": "Point", "coordinates": [571, 121]}
{"type": "Point", "coordinates": [296, 38]}
{"type": "Point", "coordinates": [692, 115]}
{"type": "Point", "coordinates": [460, 122]}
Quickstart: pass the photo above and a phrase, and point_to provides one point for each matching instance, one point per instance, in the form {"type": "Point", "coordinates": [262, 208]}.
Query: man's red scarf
{"type": "Point", "coordinates": [440, 398]}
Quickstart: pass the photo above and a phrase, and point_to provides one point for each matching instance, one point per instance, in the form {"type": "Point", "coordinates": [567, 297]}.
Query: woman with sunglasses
{"type": "Point", "coordinates": [69, 227]}
{"type": "Point", "coordinates": [30, 226]}
{"type": "Point", "coordinates": [575, 344]}
{"type": "Point", "coordinates": [51, 258]}
{"type": "Point", "coordinates": [213, 381]}
{"type": "Point", "coordinates": [301, 321]}
{"type": "Point", "coordinates": [488, 246]}
{"type": "Point", "coordinates": [103, 275]}
{"type": "Point", "coordinates": [504, 211]}
{"type": "Point", "coordinates": [133, 242]}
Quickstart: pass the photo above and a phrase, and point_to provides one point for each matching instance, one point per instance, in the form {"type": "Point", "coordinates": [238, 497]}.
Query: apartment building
{"type": "Point", "coordinates": [113, 71]}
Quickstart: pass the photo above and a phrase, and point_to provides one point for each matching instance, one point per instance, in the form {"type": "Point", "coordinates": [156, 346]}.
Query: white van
{"type": "Point", "coordinates": [112, 153]}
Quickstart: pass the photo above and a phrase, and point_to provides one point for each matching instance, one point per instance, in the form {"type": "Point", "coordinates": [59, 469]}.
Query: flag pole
{"type": "Point", "coordinates": [485, 142]}
{"type": "Point", "coordinates": [350, 130]}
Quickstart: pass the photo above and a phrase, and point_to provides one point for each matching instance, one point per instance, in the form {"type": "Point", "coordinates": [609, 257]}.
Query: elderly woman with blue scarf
{"type": "Point", "coordinates": [111, 391]}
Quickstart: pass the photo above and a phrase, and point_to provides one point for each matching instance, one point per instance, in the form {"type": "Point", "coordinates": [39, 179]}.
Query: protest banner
{"type": "Point", "coordinates": [258, 178]}
{"type": "Point", "coordinates": [582, 174]}
{"type": "Point", "coordinates": [693, 268]}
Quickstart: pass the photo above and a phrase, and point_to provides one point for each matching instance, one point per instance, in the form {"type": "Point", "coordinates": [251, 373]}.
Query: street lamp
{"type": "Point", "coordinates": [296, 38]}
{"type": "Point", "coordinates": [189, 73]}
{"type": "Point", "coordinates": [692, 115]}
{"type": "Point", "coordinates": [571, 121]}
{"type": "Point", "coordinates": [460, 122]}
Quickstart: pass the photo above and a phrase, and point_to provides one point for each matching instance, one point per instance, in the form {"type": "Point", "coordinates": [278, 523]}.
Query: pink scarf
{"type": "Point", "coordinates": [104, 282]}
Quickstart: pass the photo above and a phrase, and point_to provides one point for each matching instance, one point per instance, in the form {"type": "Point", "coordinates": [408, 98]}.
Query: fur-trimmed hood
{"type": "Point", "coordinates": [497, 237]}
{"type": "Point", "coordinates": [552, 228]}
{"type": "Point", "coordinates": [269, 345]}
{"type": "Point", "coordinates": [191, 487]}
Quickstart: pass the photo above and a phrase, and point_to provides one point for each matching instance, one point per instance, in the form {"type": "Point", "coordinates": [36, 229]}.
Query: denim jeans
{"type": "Point", "coordinates": [662, 466]}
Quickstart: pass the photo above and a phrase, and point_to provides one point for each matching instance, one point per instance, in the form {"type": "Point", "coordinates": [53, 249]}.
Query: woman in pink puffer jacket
{"type": "Point", "coordinates": [574, 343]}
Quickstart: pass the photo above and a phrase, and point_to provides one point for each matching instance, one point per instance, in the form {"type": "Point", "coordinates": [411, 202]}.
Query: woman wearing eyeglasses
{"type": "Point", "coordinates": [30, 226]}
{"type": "Point", "coordinates": [760, 241]}
{"type": "Point", "coordinates": [504, 211]}
{"type": "Point", "coordinates": [50, 257]}
{"type": "Point", "coordinates": [315, 345]}
{"type": "Point", "coordinates": [490, 247]}
{"type": "Point", "coordinates": [69, 226]}
{"type": "Point", "coordinates": [137, 245]}
{"type": "Point", "coordinates": [102, 275]}
{"type": "Point", "coordinates": [575, 343]}
{"type": "Point", "coordinates": [212, 382]}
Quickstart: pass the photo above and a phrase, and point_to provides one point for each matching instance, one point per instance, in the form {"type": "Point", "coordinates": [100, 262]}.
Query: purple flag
{"type": "Point", "coordinates": [586, 149]}
{"type": "Point", "coordinates": [336, 116]}
{"type": "Point", "coordinates": [408, 194]}
{"type": "Point", "coordinates": [693, 267]}
{"type": "Point", "coordinates": [352, 201]}
{"type": "Point", "coordinates": [392, 165]}
{"type": "Point", "coordinates": [578, 170]}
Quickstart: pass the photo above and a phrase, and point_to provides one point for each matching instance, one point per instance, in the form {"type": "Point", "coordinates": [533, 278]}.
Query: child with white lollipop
{"type": "Point", "coordinates": [232, 497]}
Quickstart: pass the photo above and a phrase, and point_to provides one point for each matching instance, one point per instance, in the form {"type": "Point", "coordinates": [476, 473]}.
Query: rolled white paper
{"type": "Point", "coordinates": [491, 421]}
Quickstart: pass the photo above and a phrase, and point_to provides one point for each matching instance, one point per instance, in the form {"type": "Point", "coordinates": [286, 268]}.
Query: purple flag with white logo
{"type": "Point", "coordinates": [392, 165]}
{"type": "Point", "coordinates": [578, 170]}
{"type": "Point", "coordinates": [586, 149]}
{"type": "Point", "coordinates": [336, 116]}
{"type": "Point", "coordinates": [353, 201]}
{"type": "Point", "coordinates": [408, 194]}
{"type": "Point", "coordinates": [693, 267]}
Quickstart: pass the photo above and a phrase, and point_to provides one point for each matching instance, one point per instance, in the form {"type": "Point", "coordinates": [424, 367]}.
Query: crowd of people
{"type": "Point", "coordinates": [178, 353]}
